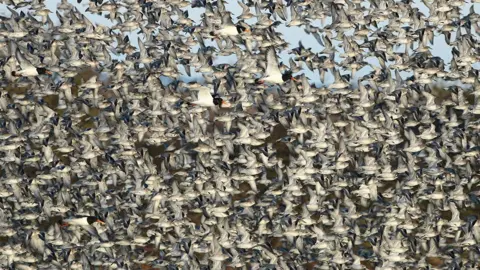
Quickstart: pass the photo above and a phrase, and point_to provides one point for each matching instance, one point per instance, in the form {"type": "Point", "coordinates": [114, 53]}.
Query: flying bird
{"type": "Point", "coordinates": [273, 75]}
{"type": "Point", "coordinates": [27, 69]}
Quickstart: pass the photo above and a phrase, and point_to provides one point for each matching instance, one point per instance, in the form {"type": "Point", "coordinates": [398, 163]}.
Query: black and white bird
{"type": "Point", "coordinates": [27, 69]}
{"type": "Point", "coordinates": [82, 221]}
{"type": "Point", "coordinates": [228, 28]}
{"type": "Point", "coordinates": [206, 99]}
{"type": "Point", "coordinates": [273, 75]}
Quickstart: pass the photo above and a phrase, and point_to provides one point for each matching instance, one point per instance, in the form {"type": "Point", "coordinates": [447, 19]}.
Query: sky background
{"type": "Point", "coordinates": [291, 34]}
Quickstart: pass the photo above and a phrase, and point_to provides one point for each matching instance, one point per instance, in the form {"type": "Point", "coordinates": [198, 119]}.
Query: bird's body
{"type": "Point", "coordinates": [30, 72]}
{"type": "Point", "coordinates": [82, 221]}
{"type": "Point", "coordinates": [204, 98]}
{"type": "Point", "coordinates": [274, 78]}
{"type": "Point", "coordinates": [228, 30]}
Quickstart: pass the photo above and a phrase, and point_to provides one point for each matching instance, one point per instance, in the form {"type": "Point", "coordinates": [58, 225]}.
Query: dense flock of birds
{"type": "Point", "coordinates": [142, 165]}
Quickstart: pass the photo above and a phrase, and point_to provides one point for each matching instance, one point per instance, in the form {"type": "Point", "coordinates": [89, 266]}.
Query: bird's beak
{"type": "Point", "coordinates": [248, 30]}
{"type": "Point", "coordinates": [258, 81]}
{"type": "Point", "coordinates": [293, 79]}
{"type": "Point", "coordinates": [226, 104]}
{"type": "Point", "coordinates": [101, 222]}
{"type": "Point", "coordinates": [49, 72]}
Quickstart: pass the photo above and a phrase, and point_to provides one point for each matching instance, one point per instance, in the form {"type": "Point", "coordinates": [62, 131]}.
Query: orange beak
{"type": "Point", "coordinates": [101, 222]}
{"type": "Point", "coordinates": [226, 104]}
{"type": "Point", "coordinates": [248, 30]}
{"type": "Point", "coordinates": [295, 80]}
{"type": "Point", "coordinates": [48, 72]}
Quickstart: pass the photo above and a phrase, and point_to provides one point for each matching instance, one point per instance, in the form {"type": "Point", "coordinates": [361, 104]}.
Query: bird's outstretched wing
{"type": "Point", "coordinates": [226, 20]}
{"type": "Point", "coordinates": [22, 61]}
{"type": "Point", "coordinates": [272, 63]}
{"type": "Point", "coordinates": [204, 94]}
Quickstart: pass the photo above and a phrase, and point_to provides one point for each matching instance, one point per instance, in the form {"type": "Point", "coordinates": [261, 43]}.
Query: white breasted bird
{"type": "Point", "coordinates": [273, 75]}
{"type": "Point", "coordinates": [206, 99]}
{"type": "Point", "coordinates": [82, 221]}
{"type": "Point", "coordinates": [229, 28]}
{"type": "Point", "coordinates": [27, 69]}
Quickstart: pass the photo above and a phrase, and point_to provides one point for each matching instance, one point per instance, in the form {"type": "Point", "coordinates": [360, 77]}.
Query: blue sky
{"type": "Point", "coordinates": [440, 48]}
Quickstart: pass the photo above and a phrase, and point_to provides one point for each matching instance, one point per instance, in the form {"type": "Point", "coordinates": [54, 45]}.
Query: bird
{"type": "Point", "coordinates": [228, 28]}
{"type": "Point", "coordinates": [206, 99]}
{"type": "Point", "coordinates": [27, 69]}
{"type": "Point", "coordinates": [82, 221]}
{"type": "Point", "coordinates": [273, 75]}
{"type": "Point", "coordinates": [31, 72]}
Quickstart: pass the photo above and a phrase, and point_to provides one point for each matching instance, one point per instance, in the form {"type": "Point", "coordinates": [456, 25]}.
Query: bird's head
{"type": "Point", "coordinates": [288, 76]}
{"type": "Point", "coordinates": [218, 101]}
{"type": "Point", "coordinates": [93, 219]}
{"type": "Point", "coordinates": [259, 81]}
{"type": "Point", "coordinates": [42, 71]}
{"type": "Point", "coordinates": [242, 29]}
